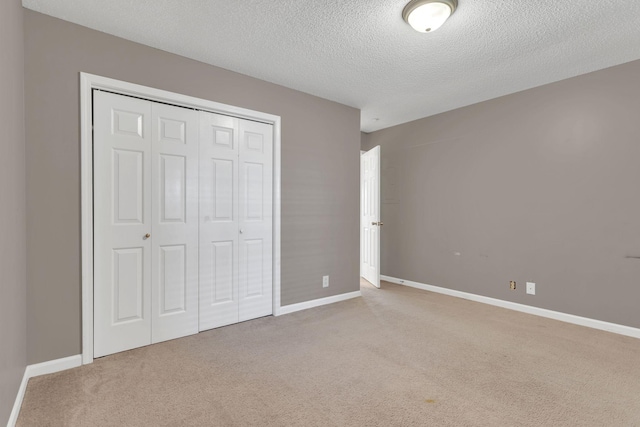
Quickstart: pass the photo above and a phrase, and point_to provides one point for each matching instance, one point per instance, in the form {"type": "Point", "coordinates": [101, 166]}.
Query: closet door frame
{"type": "Point", "coordinates": [89, 82]}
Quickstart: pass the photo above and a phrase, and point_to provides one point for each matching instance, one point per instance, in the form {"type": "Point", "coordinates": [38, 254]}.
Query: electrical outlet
{"type": "Point", "coordinates": [531, 288]}
{"type": "Point", "coordinates": [512, 285]}
{"type": "Point", "coordinates": [325, 281]}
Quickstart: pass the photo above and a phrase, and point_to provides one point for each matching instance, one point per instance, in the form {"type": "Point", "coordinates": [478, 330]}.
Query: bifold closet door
{"type": "Point", "coordinates": [122, 218]}
{"type": "Point", "coordinates": [256, 220]}
{"type": "Point", "coordinates": [145, 222]}
{"type": "Point", "coordinates": [236, 220]}
{"type": "Point", "coordinates": [219, 232]}
{"type": "Point", "coordinates": [174, 239]}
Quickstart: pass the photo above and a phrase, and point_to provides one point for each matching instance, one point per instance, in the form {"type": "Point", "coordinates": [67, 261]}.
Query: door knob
{"type": "Point", "coordinates": [379, 223]}
{"type": "Point", "coordinates": [147, 235]}
{"type": "Point", "coordinates": [241, 231]}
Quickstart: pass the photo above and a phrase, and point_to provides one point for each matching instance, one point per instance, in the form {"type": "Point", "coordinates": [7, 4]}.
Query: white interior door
{"type": "Point", "coordinates": [256, 220]}
{"type": "Point", "coordinates": [236, 192]}
{"type": "Point", "coordinates": [219, 220]}
{"type": "Point", "coordinates": [122, 219]}
{"type": "Point", "coordinates": [174, 235]}
{"type": "Point", "coordinates": [370, 215]}
{"type": "Point", "coordinates": [145, 222]}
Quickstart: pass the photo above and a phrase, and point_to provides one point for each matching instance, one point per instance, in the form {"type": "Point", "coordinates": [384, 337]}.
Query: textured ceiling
{"type": "Point", "coordinates": [361, 53]}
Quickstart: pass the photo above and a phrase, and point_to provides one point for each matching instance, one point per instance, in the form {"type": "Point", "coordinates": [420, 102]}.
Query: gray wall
{"type": "Point", "coordinates": [13, 330]}
{"type": "Point", "coordinates": [320, 173]}
{"type": "Point", "coordinates": [541, 186]}
{"type": "Point", "coordinates": [364, 140]}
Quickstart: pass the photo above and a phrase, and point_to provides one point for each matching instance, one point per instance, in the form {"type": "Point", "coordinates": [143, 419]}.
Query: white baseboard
{"type": "Point", "coordinates": [556, 315]}
{"type": "Point", "coordinates": [13, 418]}
{"type": "Point", "coordinates": [318, 302]}
{"type": "Point", "coordinates": [36, 370]}
{"type": "Point", "coordinates": [53, 366]}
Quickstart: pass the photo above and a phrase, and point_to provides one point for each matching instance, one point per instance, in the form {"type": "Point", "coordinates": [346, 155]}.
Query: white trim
{"type": "Point", "coordinates": [53, 366]}
{"type": "Point", "coordinates": [542, 312]}
{"type": "Point", "coordinates": [88, 82]}
{"type": "Point", "coordinates": [318, 302]}
{"type": "Point", "coordinates": [86, 203]}
{"type": "Point", "coordinates": [13, 418]}
{"type": "Point", "coordinates": [276, 216]}
{"type": "Point", "coordinates": [36, 370]}
{"type": "Point", "coordinates": [360, 233]}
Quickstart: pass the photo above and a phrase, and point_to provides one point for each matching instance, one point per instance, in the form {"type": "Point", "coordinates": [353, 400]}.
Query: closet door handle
{"type": "Point", "coordinates": [146, 236]}
{"type": "Point", "coordinates": [241, 231]}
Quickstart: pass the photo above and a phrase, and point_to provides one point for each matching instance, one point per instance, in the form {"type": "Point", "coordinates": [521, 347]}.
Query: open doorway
{"type": "Point", "coordinates": [370, 223]}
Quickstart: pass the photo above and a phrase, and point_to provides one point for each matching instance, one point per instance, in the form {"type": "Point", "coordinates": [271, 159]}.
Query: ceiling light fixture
{"type": "Point", "coordinates": [426, 16]}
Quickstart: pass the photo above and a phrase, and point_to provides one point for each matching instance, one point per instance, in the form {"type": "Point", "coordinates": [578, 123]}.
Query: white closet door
{"type": "Point", "coordinates": [256, 220]}
{"type": "Point", "coordinates": [122, 218]}
{"type": "Point", "coordinates": [145, 222]}
{"type": "Point", "coordinates": [236, 220]}
{"type": "Point", "coordinates": [218, 220]}
{"type": "Point", "coordinates": [174, 235]}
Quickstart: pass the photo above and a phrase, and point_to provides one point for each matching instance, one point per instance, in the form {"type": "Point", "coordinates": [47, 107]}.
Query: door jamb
{"type": "Point", "coordinates": [88, 82]}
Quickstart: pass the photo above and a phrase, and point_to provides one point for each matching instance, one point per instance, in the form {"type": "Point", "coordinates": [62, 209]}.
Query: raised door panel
{"type": "Point", "coordinates": [221, 287]}
{"type": "Point", "coordinates": [122, 218]}
{"type": "Point", "coordinates": [372, 238]}
{"type": "Point", "coordinates": [128, 187]}
{"type": "Point", "coordinates": [127, 123]}
{"type": "Point", "coordinates": [253, 266]}
{"type": "Point", "coordinates": [173, 279]}
{"type": "Point", "coordinates": [219, 220]}
{"type": "Point", "coordinates": [174, 238]}
{"type": "Point", "coordinates": [172, 130]}
{"type": "Point", "coordinates": [222, 195]}
{"type": "Point", "coordinates": [219, 292]}
{"type": "Point", "coordinates": [254, 179]}
{"type": "Point", "coordinates": [256, 220]}
{"type": "Point", "coordinates": [223, 135]}
{"type": "Point", "coordinates": [127, 291]}
{"type": "Point", "coordinates": [173, 188]}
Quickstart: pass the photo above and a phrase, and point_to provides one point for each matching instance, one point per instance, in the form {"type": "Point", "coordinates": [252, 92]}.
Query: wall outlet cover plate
{"type": "Point", "coordinates": [531, 288]}
{"type": "Point", "coordinates": [325, 281]}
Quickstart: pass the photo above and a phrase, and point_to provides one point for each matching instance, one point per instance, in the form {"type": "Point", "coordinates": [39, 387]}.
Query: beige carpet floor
{"type": "Point", "coordinates": [396, 356]}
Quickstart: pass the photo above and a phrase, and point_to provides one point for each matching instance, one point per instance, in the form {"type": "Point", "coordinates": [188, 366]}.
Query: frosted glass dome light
{"type": "Point", "coordinates": [426, 16]}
